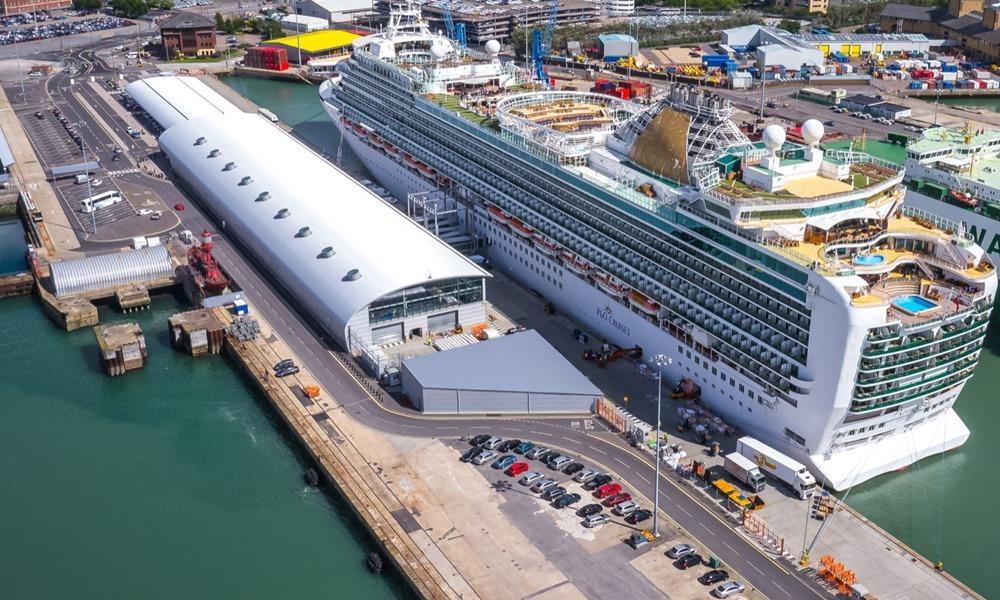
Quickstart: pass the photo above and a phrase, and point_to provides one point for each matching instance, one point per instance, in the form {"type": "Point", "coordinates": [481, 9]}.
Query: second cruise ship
{"type": "Point", "coordinates": [813, 309]}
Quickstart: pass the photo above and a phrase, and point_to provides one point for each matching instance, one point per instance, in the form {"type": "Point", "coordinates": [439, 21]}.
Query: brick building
{"type": "Point", "coordinates": [13, 7]}
{"type": "Point", "coordinates": [189, 34]}
{"type": "Point", "coordinates": [972, 24]}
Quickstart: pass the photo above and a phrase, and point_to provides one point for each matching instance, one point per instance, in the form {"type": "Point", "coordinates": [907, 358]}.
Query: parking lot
{"type": "Point", "coordinates": [51, 140]}
{"type": "Point", "coordinates": [599, 559]}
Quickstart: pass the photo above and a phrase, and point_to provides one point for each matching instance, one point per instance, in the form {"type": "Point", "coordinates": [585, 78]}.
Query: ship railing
{"type": "Point", "coordinates": [762, 200]}
{"type": "Point", "coordinates": [956, 228]}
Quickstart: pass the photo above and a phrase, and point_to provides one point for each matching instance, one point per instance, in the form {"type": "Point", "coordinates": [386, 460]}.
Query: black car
{"type": "Point", "coordinates": [554, 493]}
{"type": "Point", "coordinates": [590, 509]}
{"type": "Point", "coordinates": [550, 457]}
{"type": "Point", "coordinates": [480, 439]}
{"type": "Point", "coordinates": [472, 453]}
{"type": "Point", "coordinates": [597, 482]}
{"type": "Point", "coordinates": [686, 562]}
{"type": "Point", "coordinates": [572, 468]}
{"type": "Point", "coordinates": [639, 516]}
{"type": "Point", "coordinates": [713, 576]}
{"type": "Point", "coordinates": [508, 445]}
{"type": "Point", "coordinates": [286, 371]}
{"type": "Point", "coordinates": [287, 362]}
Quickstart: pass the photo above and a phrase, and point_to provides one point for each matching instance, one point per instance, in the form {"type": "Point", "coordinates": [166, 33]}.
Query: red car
{"type": "Point", "coordinates": [608, 489]}
{"type": "Point", "coordinates": [178, 206]}
{"type": "Point", "coordinates": [617, 499]}
{"type": "Point", "coordinates": [516, 469]}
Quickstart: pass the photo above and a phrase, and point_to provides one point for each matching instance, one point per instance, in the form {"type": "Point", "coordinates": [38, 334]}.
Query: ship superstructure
{"type": "Point", "coordinates": [791, 285]}
{"type": "Point", "coordinates": [956, 173]}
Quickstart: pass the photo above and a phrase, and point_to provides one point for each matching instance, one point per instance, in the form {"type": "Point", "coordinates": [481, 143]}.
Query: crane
{"type": "Point", "coordinates": [456, 31]}
{"type": "Point", "coordinates": [541, 44]}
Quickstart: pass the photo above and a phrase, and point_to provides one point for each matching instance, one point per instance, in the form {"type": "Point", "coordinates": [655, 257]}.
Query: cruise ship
{"type": "Point", "coordinates": [793, 289]}
{"type": "Point", "coordinates": [956, 173]}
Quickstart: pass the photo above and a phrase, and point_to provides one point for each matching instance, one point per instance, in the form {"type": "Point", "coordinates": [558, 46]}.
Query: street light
{"type": "Point", "coordinates": [86, 170]}
{"type": "Point", "coordinates": [659, 361]}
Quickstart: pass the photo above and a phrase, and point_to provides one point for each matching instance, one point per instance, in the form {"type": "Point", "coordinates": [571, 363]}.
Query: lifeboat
{"type": "Point", "coordinates": [391, 150]}
{"type": "Point", "coordinates": [643, 303]}
{"type": "Point", "coordinates": [498, 214]}
{"type": "Point", "coordinates": [519, 228]}
{"type": "Point", "coordinates": [611, 285]}
{"type": "Point", "coordinates": [962, 197]}
{"type": "Point", "coordinates": [544, 245]}
{"type": "Point", "coordinates": [425, 170]}
{"type": "Point", "coordinates": [575, 264]}
{"type": "Point", "coordinates": [359, 130]}
{"type": "Point", "coordinates": [410, 161]}
{"type": "Point", "coordinates": [376, 141]}
{"type": "Point", "coordinates": [443, 181]}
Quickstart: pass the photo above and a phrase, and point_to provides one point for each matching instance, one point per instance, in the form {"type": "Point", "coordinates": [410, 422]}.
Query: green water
{"type": "Point", "coordinates": [988, 103]}
{"type": "Point", "coordinates": [11, 246]}
{"type": "Point", "coordinates": [174, 481]}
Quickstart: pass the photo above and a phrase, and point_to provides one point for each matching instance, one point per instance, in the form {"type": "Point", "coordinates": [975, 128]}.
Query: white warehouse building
{"type": "Point", "coordinates": [363, 271]}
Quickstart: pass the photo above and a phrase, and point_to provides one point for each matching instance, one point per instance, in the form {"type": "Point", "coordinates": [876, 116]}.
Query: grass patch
{"type": "Point", "coordinates": [206, 59]}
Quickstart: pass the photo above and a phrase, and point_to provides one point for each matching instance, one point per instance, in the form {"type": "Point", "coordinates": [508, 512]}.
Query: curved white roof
{"type": "Point", "coordinates": [172, 100]}
{"type": "Point", "coordinates": [325, 209]}
{"type": "Point", "coordinates": [109, 270]}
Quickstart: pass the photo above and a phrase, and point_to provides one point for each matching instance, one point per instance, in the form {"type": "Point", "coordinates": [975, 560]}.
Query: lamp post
{"type": "Point", "coordinates": [659, 361]}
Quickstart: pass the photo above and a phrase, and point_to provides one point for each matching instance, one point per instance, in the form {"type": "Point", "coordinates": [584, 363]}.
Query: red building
{"type": "Point", "coordinates": [13, 7]}
{"type": "Point", "coordinates": [189, 34]}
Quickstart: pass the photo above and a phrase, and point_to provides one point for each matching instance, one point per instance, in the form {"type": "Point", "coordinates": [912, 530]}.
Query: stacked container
{"type": "Point", "coordinates": [272, 59]}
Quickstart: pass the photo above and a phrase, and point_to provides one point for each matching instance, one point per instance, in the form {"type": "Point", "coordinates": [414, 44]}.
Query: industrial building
{"type": "Point", "coordinates": [485, 21]}
{"type": "Point", "coordinates": [173, 100]}
{"type": "Point", "coordinates": [334, 11]}
{"type": "Point", "coordinates": [13, 7]}
{"type": "Point", "coordinates": [115, 269]}
{"type": "Point", "coordinates": [857, 44]}
{"type": "Point", "coordinates": [618, 8]}
{"type": "Point", "coordinates": [875, 106]}
{"type": "Point", "coordinates": [971, 24]}
{"type": "Point", "coordinates": [617, 45]}
{"type": "Point", "coordinates": [304, 47]}
{"type": "Point", "coordinates": [187, 34]}
{"type": "Point", "coordinates": [304, 23]}
{"type": "Point", "coordinates": [361, 270]}
{"type": "Point", "coordinates": [519, 373]}
{"type": "Point", "coordinates": [809, 6]}
{"type": "Point", "coordinates": [774, 47]}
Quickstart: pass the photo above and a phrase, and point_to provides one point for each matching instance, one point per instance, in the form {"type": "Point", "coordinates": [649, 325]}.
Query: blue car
{"type": "Point", "coordinates": [504, 461]}
{"type": "Point", "coordinates": [524, 447]}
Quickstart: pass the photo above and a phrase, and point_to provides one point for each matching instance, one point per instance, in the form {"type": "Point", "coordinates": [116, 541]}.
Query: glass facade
{"type": "Point", "coordinates": [425, 299]}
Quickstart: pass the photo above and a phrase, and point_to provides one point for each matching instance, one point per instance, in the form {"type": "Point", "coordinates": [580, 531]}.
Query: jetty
{"type": "Point", "coordinates": [122, 347]}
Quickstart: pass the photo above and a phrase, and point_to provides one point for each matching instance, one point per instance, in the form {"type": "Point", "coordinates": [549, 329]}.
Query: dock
{"type": "Point", "coordinates": [16, 284]}
{"type": "Point", "coordinates": [122, 347]}
{"type": "Point", "coordinates": [197, 332]}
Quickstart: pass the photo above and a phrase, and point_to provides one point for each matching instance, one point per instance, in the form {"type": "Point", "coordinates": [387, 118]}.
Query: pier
{"type": "Point", "coordinates": [122, 347]}
{"type": "Point", "coordinates": [197, 332]}
{"type": "Point", "coordinates": [16, 284]}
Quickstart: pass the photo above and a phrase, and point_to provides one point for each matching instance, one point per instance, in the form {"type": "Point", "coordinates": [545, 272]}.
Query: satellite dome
{"type": "Point", "coordinates": [774, 136]}
{"type": "Point", "coordinates": [812, 131]}
{"type": "Point", "coordinates": [438, 51]}
{"type": "Point", "coordinates": [493, 47]}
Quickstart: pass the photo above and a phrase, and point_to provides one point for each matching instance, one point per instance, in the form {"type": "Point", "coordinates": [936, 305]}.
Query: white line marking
{"type": "Point", "coordinates": [707, 529]}
{"type": "Point", "coordinates": [730, 547]}
{"type": "Point", "coordinates": [754, 567]}
{"type": "Point", "coordinates": [781, 588]}
{"type": "Point", "coordinates": [642, 477]}
{"type": "Point", "coordinates": [682, 509]}
{"type": "Point", "coordinates": [620, 461]}
{"type": "Point", "coordinates": [596, 449]}
{"type": "Point", "coordinates": [541, 433]}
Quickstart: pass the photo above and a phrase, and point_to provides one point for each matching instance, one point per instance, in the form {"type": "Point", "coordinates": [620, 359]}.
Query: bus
{"type": "Point", "coordinates": [102, 200]}
{"type": "Point", "coordinates": [270, 116]}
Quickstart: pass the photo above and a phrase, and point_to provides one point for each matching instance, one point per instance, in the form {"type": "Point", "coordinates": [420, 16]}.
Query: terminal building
{"type": "Point", "coordinates": [973, 25]}
{"type": "Point", "coordinates": [361, 270]}
{"type": "Point", "coordinates": [303, 48]}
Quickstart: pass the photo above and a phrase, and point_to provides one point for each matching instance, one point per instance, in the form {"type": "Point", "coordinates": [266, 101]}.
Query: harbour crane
{"type": "Point", "coordinates": [455, 31]}
{"type": "Point", "coordinates": [541, 44]}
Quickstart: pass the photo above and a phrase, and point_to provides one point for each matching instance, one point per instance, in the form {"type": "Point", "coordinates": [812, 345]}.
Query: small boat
{"type": "Point", "coordinates": [575, 264]}
{"type": "Point", "coordinates": [644, 303]}
{"type": "Point", "coordinates": [410, 161]}
{"type": "Point", "coordinates": [359, 130]}
{"type": "Point", "coordinates": [375, 141]}
{"type": "Point", "coordinates": [962, 197]}
{"type": "Point", "coordinates": [544, 245]}
{"type": "Point", "coordinates": [498, 214]}
{"type": "Point", "coordinates": [519, 228]}
{"type": "Point", "coordinates": [374, 562]}
{"type": "Point", "coordinates": [311, 477]}
{"type": "Point", "coordinates": [611, 285]}
{"type": "Point", "coordinates": [426, 171]}
{"type": "Point", "coordinates": [443, 181]}
{"type": "Point", "coordinates": [391, 150]}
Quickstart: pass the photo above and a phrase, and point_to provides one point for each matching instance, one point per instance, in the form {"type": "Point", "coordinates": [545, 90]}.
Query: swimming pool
{"type": "Point", "coordinates": [869, 259]}
{"type": "Point", "coordinates": [914, 305]}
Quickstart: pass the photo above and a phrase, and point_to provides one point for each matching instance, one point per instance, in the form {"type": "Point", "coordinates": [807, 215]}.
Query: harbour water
{"type": "Point", "coordinates": [174, 481]}
{"type": "Point", "coordinates": [11, 246]}
{"type": "Point", "coordinates": [938, 506]}
{"type": "Point", "coordinates": [981, 102]}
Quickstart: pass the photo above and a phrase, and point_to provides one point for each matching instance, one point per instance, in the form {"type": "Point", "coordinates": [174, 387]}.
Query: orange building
{"type": "Point", "coordinates": [12, 7]}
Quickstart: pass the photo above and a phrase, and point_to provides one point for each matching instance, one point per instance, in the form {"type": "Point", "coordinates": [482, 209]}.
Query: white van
{"type": "Point", "coordinates": [270, 116]}
{"type": "Point", "coordinates": [99, 201]}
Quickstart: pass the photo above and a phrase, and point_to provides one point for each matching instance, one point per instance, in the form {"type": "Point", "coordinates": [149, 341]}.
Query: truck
{"type": "Point", "coordinates": [785, 469]}
{"type": "Point", "coordinates": [745, 471]}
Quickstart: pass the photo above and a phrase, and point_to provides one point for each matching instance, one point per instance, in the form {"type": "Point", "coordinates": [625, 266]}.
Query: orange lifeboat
{"type": "Point", "coordinates": [359, 130]}
{"type": "Point", "coordinates": [391, 150]}
{"type": "Point", "coordinates": [644, 303]}
{"type": "Point", "coordinates": [375, 141]}
{"type": "Point", "coordinates": [544, 245]}
{"type": "Point", "coordinates": [575, 264]}
{"type": "Point", "coordinates": [611, 285]}
{"type": "Point", "coordinates": [410, 161]}
{"type": "Point", "coordinates": [962, 197]}
{"type": "Point", "coordinates": [443, 181]}
{"type": "Point", "coordinates": [425, 170]}
{"type": "Point", "coordinates": [519, 228]}
{"type": "Point", "coordinates": [498, 214]}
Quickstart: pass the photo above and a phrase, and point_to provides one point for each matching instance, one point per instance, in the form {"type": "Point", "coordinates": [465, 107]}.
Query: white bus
{"type": "Point", "coordinates": [270, 116]}
{"type": "Point", "coordinates": [102, 200]}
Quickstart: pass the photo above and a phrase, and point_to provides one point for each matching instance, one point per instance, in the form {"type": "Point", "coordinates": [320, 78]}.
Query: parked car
{"type": "Point", "coordinates": [471, 453]}
{"type": "Point", "coordinates": [484, 458]}
{"type": "Point", "coordinates": [560, 462]}
{"type": "Point", "coordinates": [531, 478]}
{"type": "Point", "coordinates": [626, 508]}
{"type": "Point", "coordinates": [493, 443]}
{"type": "Point", "coordinates": [608, 489]}
{"type": "Point", "coordinates": [516, 469]}
{"type": "Point", "coordinates": [286, 371]}
{"type": "Point", "coordinates": [535, 452]}
{"type": "Point", "coordinates": [585, 475]}
{"type": "Point", "coordinates": [508, 445]}
{"type": "Point", "coordinates": [480, 439]}
{"type": "Point", "coordinates": [616, 499]}
{"type": "Point", "coordinates": [639, 516]}
{"type": "Point", "coordinates": [598, 481]}
{"type": "Point", "coordinates": [596, 520]}
{"type": "Point", "coordinates": [504, 461]}
{"type": "Point", "coordinates": [590, 509]}
{"type": "Point", "coordinates": [565, 500]}
{"type": "Point", "coordinates": [713, 576]}
{"type": "Point", "coordinates": [281, 364]}
{"type": "Point", "coordinates": [543, 485]}
{"type": "Point", "coordinates": [572, 468]}
{"type": "Point", "coordinates": [553, 493]}
{"type": "Point", "coordinates": [686, 562]}
{"type": "Point", "coordinates": [727, 589]}
{"type": "Point", "coordinates": [680, 551]}
{"type": "Point", "coordinates": [524, 447]}
{"type": "Point", "coordinates": [549, 456]}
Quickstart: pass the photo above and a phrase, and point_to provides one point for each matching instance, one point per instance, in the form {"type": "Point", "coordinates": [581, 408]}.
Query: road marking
{"type": "Point", "coordinates": [541, 433]}
{"type": "Point", "coordinates": [640, 476]}
{"type": "Point", "coordinates": [596, 449]}
{"type": "Point", "coordinates": [730, 547]}
{"type": "Point", "coordinates": [781, 588]}
{"type": "Point", "coordinates": [703, 526]}
{"type": "Point", "coordinates": [754, 567]}
{"type": "Point", "coordinates": [621, 462]}
{"type": "Point", "coordinates": [682, 509]}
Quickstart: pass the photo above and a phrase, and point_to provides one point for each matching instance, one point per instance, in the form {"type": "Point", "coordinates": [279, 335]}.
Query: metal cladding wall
{"type": "Point", "coordinates": [333, 244]}
{"type": "Point", "coordinates": [171, 100]}
{"type": "Point", "coordinates": [110, 270]}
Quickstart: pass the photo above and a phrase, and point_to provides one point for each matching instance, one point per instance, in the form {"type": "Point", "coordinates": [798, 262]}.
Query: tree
{"type": "Point", "coordinates": [130, 8]}
{"type": "Point", "coordinates": [87, 4]}
{"type": "Point", "coordinates": [220, 21]}
{"type": "Point", "coordinates": [790, 25]}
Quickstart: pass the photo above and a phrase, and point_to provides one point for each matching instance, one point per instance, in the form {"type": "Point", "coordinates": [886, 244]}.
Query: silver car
{"type": "Point", "coordinates": [560, 462]}
{"type": "Point", "coordinates": [625, 508]}
{"type": "Point", "coordinates": [585, 475]}
{"type": "Point", "coordinates": [543, 485]}
{"type": "Point", "coordinates": [492, 443]}
{"type": "Point", "coordinates": [596, 520]}
{"type": "Point", "coordinates": [536, 452]}
{"type": "Point", "coordinates": [485, 457]}
{"type": "Point", "coordinates": [680, 551]}
{"type": "Point", "coordinates": [531, 478]}
{"type": "Point", "coordinates": [727, 589]}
